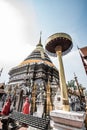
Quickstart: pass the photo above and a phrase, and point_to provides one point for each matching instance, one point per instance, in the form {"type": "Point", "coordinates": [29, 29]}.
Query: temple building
{"type": "Point", "coordinates": [83, 54]}
{"type": "Point", "coordinates": [37, 78]}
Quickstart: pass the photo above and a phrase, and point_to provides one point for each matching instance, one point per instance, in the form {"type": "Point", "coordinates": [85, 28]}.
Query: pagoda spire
{"type": "Point", "coordinates": [40, 44]}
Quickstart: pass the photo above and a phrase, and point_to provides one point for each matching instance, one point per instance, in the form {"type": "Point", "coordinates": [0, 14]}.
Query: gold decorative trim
{"type": "Point", "coordinates": [58, 35]}
{"type": "Point", "coordinates": [36, 61]}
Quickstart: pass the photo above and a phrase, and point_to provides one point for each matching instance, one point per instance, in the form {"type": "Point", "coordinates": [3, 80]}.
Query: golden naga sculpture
{"type": "Point", "coordinates": [48, 100]}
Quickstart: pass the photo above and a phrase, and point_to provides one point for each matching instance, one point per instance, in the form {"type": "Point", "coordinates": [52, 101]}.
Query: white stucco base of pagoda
{"type": "Point", "coordinates": [64, 120]}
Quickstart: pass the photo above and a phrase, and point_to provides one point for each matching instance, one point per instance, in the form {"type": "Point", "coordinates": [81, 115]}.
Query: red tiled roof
{"type": "Point", "coordinates": [84, 51]}
{"type": "Point", "coordinates": [2, 85]}
{"type": "Point", "coordinates": [83, 54]}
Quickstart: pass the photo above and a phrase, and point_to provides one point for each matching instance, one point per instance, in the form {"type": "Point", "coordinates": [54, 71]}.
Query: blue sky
{"type": "Point", "coordinates": [21, 22]}
{"type": "Point", "coordinates": [63, 16]}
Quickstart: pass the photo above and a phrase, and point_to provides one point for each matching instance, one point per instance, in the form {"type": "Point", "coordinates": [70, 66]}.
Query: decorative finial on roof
{"type": "Point", "coordinates": [39, 44]}
{"type": "Point", "coordinates": [75, 76]}
{"type": "Point", "coordinates": [78, 47]}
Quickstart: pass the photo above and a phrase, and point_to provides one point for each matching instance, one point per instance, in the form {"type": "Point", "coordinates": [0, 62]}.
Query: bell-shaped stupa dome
{"type": "Point", "coordinates": [37, 67]}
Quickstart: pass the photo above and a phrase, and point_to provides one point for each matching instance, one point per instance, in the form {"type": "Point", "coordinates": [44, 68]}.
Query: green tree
{"type": "Point", "coordinates": [71, 84]}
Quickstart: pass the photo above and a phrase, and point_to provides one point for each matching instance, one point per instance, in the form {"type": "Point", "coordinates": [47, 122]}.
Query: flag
{"type": "Point", "coordinates": [1, 71]}
{"type": "Point", "coordinates": [83, 55]}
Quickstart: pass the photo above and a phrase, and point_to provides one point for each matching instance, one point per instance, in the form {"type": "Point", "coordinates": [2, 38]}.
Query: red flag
{"type": "Point", "coordinates": [83, 54]}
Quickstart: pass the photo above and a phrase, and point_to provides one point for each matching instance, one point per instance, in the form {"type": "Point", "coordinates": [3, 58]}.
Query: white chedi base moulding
{"type": "Point", "coordinates": [64, 120]}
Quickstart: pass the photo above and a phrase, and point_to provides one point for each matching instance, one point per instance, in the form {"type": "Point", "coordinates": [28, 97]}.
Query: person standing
{"type": "Point", "coordinates": [6, 107]}
{"type": "Point", "coordinates": [26, 107]}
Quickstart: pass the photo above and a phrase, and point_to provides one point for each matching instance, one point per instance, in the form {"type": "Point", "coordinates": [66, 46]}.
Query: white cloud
{"type": "Point", "coordinates": [13, 38]}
